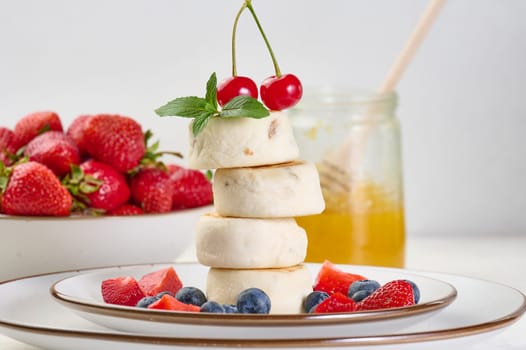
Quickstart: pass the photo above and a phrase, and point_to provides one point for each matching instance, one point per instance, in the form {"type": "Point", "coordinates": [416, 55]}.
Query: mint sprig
{"type": "Point", "coordinates": [203, 109]}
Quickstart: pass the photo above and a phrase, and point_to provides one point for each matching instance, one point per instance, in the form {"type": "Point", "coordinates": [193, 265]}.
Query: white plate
{"type": "Point", "coordinates": [36, 245]}
{"type": "Point", "coordinates": [82, 294]}
{"type": "Point", "coordinates": [29, 314]}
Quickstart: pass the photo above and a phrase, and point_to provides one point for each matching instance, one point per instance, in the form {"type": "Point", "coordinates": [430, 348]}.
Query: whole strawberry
{"type": "Point", "coordinates": [31, 125]}
{"type": "Point", "coordinates": [152, 190]}
{"type": "Point", "coordinates": [54, 149]}
{"type": "Point", "coordinates": [8, 145]}
{"type": "Point", "coordinates": [97, 185]}
{"type": "Point", "coordinates": [126, 210]}
{"type": "Point", "coordinates": [115, 140]}
{"type": "Point", "coordinates": [190, 188]}
{"type": "Point", "coordinates": [396, 293]}
{"type": "Point", "coordinates": [33, 189]}
{"type": "Point", "coordinates": [76, 132]}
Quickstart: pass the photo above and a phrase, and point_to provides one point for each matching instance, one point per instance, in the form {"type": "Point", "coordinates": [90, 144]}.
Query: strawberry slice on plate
{"type": "Point", "coordinates": [331, 279]}
{"type": "Point", "coordinates": [163, 280]}
{"type": "Point", "coordinates": [168, 302]}
{"type": "Point", "coordinates": [397, 293]}
{"type": "Point", "coordinates": [337, 302]}
{"type": "Point", "coordinates": [122, 290]}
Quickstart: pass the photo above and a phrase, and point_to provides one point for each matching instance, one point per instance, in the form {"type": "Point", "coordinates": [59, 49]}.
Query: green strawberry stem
{"type": "Point", "coordinates": [5, 173]}
{"type": "Point", "coordinates": [248, 4]}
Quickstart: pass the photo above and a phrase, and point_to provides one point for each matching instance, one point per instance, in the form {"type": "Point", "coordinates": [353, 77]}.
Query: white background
{"type": "Point", "coordinates": [462, 101]}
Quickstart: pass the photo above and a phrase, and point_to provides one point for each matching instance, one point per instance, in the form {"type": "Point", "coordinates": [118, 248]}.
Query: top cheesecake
{"type": "Point", "coordinates": [243, 142]}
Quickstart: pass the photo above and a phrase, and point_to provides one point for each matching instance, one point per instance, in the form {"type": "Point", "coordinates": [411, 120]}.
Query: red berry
{"type": "Point", "coordinates": [337, 302]}
{"type": "Point", "coordinates": [113, 190]}
{"type": "Point", "coordinates": [121, 291]}
{"type": "Point", "coordinates": [31, 125]}
{"type": "Point", "coordinates": [396, 293]}
{"type": "Point", "coordinates": [331, 280]}
{"type": "Point", "coordinates": [190, 188]}
{"type": "Point", "coordinates": [278, 93]}
{"type": "Point", "coordinates": [55, 150]}
{"type": "Point", "coordinates": [152, 190]}
{"type": "Point", "coordinates": [235, 86]}
{"type": "Point", "coordinates": [76, 132]}
{"type": "Point", "coordinates": [33, 189]}
{"type": "Point", "coordinates": [115, 140]}
{"type": "Point", "coordinates": [168, 302]}
{"type": "Point", "coordinates": [163, 280]}
{"type": "Point", "coordinates": [126, 210]}
{"type": "Point", "coordinates": [8, 145]}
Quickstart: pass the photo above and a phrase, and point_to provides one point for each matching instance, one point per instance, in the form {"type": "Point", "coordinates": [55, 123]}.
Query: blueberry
{"type": "Point", "coordinates": [253, 301]}
{"type": "Point", "coordinates": [160, 295]}
{"type": "Point", "coordinates": [313, 299]}
{"type": "Point", "coordinates": [416, 290]}
{"type": "Point", "coordinates": [230, 309]}
{"type": "Point", "coordinates": [361, 289]}
{"type": "Point", "coordinates": [360, 295]}
{"type": "Point", "coordinates": [191, 295]}
{"type": "Point", "coordinates": [212, 306]}
{"type": "Point", "coordinates": [146, 301]}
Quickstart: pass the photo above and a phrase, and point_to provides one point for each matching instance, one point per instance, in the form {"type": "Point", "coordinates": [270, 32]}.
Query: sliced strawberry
{"type": "Point", "coordinates": [337, 302]}
{"type": "Point", "coordinates": [33, 189]}
{"type": "Point", "coordinates": [34, 124]}
{"type": "Point", "coordinates": [396, 293]}
{"type": "Point", "coordinates": [55, 150]}
{"type": "Point", "coordinates": [151, 189]}
{"type": "Point", "coordinates": [330, 279]}
{"type": "Point", "coordinates": [164, 280]}
{"type": "Point", "coordinates": [126, 210]}
{"type": "Point", "coordinates": [121, 291]}
{"type": "Point", "coordinates": [168, 302]}
{"type": "Point", "coordinates": [190, 188]}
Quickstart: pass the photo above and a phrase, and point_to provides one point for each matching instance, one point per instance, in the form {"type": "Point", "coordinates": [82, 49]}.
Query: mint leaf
{"type": "Point", "coordinates": [188, 107]}
{"type": "Point", "coordinates": [244, 106]}
{"type": "Point", "coordinates": [211, 91]}
{"type": "Point", "coordinates": [202, 109]}
{"type": "Point", "coordinates": [200, 122]}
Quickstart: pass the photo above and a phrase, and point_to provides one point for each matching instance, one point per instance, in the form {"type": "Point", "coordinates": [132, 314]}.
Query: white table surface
{"type": "Point", "coordinates": [500, 259]}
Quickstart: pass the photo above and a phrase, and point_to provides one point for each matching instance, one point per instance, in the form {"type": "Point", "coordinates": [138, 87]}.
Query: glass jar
{"type": "Point", "coordinates": [354, 138]}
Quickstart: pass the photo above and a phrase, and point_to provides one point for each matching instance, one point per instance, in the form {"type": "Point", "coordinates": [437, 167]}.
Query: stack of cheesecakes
{"type": "Point", "coordinates": [252, 239]}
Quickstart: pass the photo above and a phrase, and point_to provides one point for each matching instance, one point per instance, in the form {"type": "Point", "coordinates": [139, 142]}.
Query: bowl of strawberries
{"type": "Point", "coordinates": [93, 194]}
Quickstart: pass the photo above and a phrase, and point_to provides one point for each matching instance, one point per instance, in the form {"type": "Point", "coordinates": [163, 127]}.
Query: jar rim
{"type": "Point", "coordinates": [335, 95]}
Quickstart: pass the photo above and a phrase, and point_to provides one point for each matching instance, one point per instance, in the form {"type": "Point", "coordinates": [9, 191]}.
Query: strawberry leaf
{"type": "Point", "coordinates": [244, 106]}
{"type": "Point", "coordinates": [5, 173]}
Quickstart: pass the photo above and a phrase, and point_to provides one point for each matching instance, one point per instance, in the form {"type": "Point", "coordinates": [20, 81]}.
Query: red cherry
{"type": "Point", "coordinates": [235, 86]}
{"type": "Point", "coordinates": [281, 92]}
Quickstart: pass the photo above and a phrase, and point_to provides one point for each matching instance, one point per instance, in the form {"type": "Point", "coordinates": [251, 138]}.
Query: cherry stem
{"type": "Point", "coordinates": [248, 5]}
{"type": "Point", "coordinates": [234, 30]}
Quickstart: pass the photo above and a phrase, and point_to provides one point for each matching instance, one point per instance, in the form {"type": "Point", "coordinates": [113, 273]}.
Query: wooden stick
{"type": "Point", "coordinates": [337, 165]}
{"type": "Point", "coordinates": [414, 41]}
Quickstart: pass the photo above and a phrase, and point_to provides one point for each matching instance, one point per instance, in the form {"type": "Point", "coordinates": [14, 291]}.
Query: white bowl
{"type": "Point", "coordinates": [34, 245]}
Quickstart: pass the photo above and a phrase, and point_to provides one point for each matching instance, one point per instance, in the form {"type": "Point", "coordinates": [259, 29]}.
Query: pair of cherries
{"type": "Point", "coordinates": [277, 92]}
